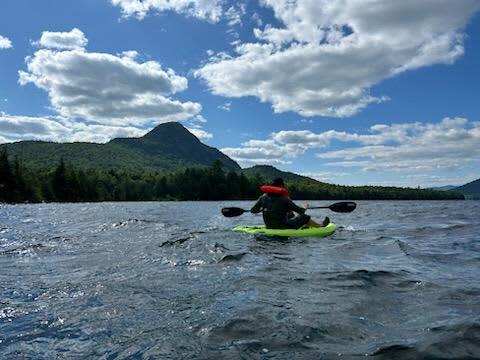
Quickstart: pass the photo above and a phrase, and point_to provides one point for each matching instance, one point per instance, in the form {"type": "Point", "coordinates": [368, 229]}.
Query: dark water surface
{"type": "Point", "coordinates": [171, 281]}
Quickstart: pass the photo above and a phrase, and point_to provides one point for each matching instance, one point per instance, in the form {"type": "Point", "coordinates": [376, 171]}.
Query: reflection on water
{"type": "Point", "coordinates": [170, 280]}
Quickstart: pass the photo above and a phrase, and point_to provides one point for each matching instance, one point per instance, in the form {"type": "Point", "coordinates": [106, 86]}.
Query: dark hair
{"type": "Point", "coordinates": [278, 182]}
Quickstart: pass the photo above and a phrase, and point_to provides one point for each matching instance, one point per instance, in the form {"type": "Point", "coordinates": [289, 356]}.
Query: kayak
{"type": "Point", "coordinates": [304, 232]}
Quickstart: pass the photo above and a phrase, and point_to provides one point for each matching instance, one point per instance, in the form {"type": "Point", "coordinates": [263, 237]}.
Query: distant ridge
{"type": "Point", "coordinates": [303, 187]}
{"type": "Point", "coordinates": [472, 188]}
{"type": "Point", "coordinates": [444, 188]}
{"type": "Point", "coordinates": [271, 172]}
{"type": "Point", "coordinates": [169, 146]}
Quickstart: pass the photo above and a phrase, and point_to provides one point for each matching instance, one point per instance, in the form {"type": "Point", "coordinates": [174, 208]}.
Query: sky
{"type": "Point", "coordinates": [354, 92]}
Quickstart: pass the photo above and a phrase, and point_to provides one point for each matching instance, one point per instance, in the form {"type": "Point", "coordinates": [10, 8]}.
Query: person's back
{"type": "Point", "coordinates": [275, 209]}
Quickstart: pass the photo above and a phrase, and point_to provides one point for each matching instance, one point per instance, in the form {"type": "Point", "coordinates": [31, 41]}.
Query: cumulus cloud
{"type": "Point", "coordinates": [265, 152]}
{"type": "Point", "coordinates": [326, 56]}
{"type": "Point", "coordinates": [452, 143]}
{"type": "Point", "coordinates": [39, 128]}
{"type": "Point", "coordinates": [194, 125]}
{"type": "Point", "coordinates": [103, 88]}
{"type": "Point", "coordinates": [210, 10]}
{"type": "Point", "coordinates": [17, 127]}
{"type": "Point", "coordinates": [200, 133]}
{"type": "Point", "coordinates": [74, 39]}
{"type": "Point", "coordinates": [102, 133]}
{"type": "Point", "coordinates": [5, 42]}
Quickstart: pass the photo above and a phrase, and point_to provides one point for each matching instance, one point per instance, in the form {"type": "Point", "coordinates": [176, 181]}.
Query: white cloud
{"type": "Point", "coordinates": [256, 18]}
{"type": "Point", "coordinates": [210, 10]}
{"type": "Point", "coordinates": [327, 55]}
{"type": "Point", "coordinates": [105, 88]}
{"type": "Point", "coordinates": [74, 39]}
{"type": "Point", "coordinates": [39, 128]}
{"type": "Point", "coordinates": [17, 127]}
{"type": "Point", "coordinates": [451, 144]}
{"type": "Point", "coordinates": [5, 42]}
{"type": "Point", "coordinates": [234, 14]}
{"type": "Point", "coordinates": [103, 133]}
{"type": "Point", "coordinates": [264, 152]}
{"type": "Point", "coordinates": [199, 119]}
{"type": "Point", "coordinates": [194, 125]}
{"type": "Point", "coordinates": [200, 133]}
{"type": "Point", "coordinates": [226, 106]}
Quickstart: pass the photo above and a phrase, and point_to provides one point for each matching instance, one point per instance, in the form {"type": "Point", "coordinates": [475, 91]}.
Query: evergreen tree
{"type": "Point", "coordinates": [7, 181]}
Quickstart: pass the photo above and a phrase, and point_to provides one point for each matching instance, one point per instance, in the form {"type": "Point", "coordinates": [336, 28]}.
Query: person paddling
{"type": "Point", "coordinates": [277, 207]}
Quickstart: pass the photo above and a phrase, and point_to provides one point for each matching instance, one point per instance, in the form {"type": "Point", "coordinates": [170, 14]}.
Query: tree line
{"type": "Point", "coordinates": [65, 183]}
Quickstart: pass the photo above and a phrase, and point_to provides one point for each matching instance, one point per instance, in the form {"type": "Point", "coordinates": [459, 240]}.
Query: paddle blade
{"type": "Point", "coordinates": [232, 211]}
{"type": "Point", "coordinates": [343, 207]}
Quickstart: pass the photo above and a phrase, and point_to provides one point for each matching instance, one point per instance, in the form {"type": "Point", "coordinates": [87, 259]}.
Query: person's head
{"type": "Point", "coordinates": [278, 182]}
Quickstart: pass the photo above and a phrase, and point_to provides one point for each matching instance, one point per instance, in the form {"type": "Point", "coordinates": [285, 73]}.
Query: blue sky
{"type": "Point", "coordinates": [352, 92]}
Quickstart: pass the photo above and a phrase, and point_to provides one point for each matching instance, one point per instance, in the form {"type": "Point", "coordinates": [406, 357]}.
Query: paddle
{"type": "Point", "coordinates": [341, 207]}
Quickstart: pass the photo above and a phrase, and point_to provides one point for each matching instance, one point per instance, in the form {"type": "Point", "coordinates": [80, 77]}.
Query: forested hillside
{"type": "Point", "coordinates": [65, 183]}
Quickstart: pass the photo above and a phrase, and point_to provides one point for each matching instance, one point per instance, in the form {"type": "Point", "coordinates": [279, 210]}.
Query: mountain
{"type": "Point", "coordinates": [302, 187]}
{"type": "Point", "coordinates": [169, 146]}
{"type": "Point", "coordinates": [444, 188]}
{"type": "Point", "coordinates": [471, 189]}
{"type": "Point", "coordinates": [270, 172]}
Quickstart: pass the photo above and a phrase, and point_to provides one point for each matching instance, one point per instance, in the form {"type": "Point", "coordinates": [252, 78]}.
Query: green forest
{"type": "Point", "coordinates": [64, 183]}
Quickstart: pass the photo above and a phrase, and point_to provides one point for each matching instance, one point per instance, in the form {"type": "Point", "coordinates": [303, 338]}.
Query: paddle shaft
{"type": "Point", "coordinates": [337, 207]}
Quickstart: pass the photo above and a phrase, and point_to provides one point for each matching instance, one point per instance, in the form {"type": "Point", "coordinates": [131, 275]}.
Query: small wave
{"type": "Point", "coordinates": [233, 257]}
{"type": "Point", "coordinates": [176, 241]}
{"type": "Point", "coordinates": [128, 222]}
{"type": "Point", "coordinates": [351, 228]}
{"type": "Point", "coordinates": [365, 278]}
{"type": "Point", "coordinates": [123, 224]}
{"type": "Point", "coordinates": [457, 227]}
{"type": "Point", "coordinates": [29, 220]}
{"type": "Point", "coordinates": [445, 258]}
{"type": "Point", "coordinates": [459, 341]}
{"type": "Point", "coordinates": [24, 250]}
{"type": "Point", "coordinates": [407, 250]}
{"type": "Point", "coordinates": [429, 229]}
{"type": "Point", "coordinates": [62, 238]}
{"type": "Point", "coordinates": [234, 329]}
{"type": "Point", "coordinates": [370, 274]}
{"type": "Point", "coordinates": [9, 312]}
{"type": "Point", "coordinates": [189, 262]}
{"type": "Point", "coordinates": [472, 328]}
{"type": "Point", "coordinates": [460, 295]}
{"type": "Point", "coordinates": [220, 247]}
{"type": "Point", "coordinates": [396, 351]}
{"type": "Point", "coordinates": [206, 230]}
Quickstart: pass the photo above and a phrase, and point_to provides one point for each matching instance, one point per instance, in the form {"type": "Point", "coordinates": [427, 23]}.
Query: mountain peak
{"type": "Point", "coordinates": [172, 142]}
{"type": "Point", "coordinates": [171, 132]}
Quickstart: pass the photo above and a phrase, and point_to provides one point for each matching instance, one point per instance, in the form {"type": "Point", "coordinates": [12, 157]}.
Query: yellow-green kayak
{"type": "Point", "coordinates": [305, 232]}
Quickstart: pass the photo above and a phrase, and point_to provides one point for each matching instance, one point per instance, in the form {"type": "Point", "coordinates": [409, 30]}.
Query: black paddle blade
{"type": "Point", "coordinates": [343, 207]}
{"type": "Point", "coordinates": [232, 211]}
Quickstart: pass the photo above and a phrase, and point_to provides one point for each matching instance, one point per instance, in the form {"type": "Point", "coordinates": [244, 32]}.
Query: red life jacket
{"type": "Point", "coordinates": [274, 190]}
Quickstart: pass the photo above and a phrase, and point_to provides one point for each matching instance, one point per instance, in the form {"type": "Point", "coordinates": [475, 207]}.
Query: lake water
{"type": "Point", "coordinates": [171, 281]}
